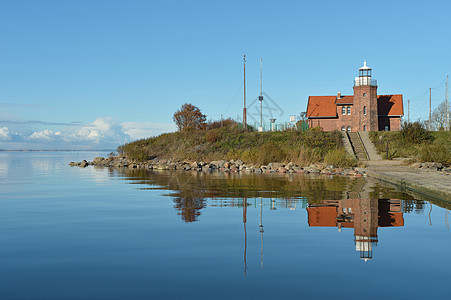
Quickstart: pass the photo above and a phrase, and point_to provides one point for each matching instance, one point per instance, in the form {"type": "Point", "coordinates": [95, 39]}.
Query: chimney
{"type": "Point", "coordinates": [339, 95]}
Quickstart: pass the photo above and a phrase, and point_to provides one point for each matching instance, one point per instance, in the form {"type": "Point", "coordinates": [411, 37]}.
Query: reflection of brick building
{"type": "Point", "coordinates": [363, 111]}
{"type": "Point", "coordinates": [364, 215]}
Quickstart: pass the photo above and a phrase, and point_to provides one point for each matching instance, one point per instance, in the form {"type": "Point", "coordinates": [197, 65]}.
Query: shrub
{"type": "Point", "coordinates": [212, 135]}
{"type": "Point", "coordinates": [415, 133]}
{"type": "Point", "coordinates": [440, 153]}
{"type": "Point", "coordinates": [222, 123]}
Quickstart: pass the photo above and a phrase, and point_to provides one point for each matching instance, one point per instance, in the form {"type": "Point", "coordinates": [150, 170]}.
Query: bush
{"type": "Point", "coordinates": [440, 153]}
{"type": "Point", "coordinates": [415, 133]}
{"type": "Point", "coordinates": [212, 135]}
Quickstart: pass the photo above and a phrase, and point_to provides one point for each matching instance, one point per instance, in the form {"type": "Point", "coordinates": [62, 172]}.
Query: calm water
{"type": "Point", "coordinates": [100, 233]}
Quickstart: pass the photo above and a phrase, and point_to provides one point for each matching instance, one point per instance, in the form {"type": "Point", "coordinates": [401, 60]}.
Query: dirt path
{"type": "Point", "coordinates": [429, 182]}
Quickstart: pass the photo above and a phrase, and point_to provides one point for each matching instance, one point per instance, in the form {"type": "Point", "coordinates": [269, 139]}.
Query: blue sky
{"type": "Point", "coordinates": [94, 74]}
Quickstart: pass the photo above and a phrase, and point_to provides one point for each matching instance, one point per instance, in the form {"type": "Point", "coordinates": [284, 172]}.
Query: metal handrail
{"type": "Point", "coordinates": [361, 81]}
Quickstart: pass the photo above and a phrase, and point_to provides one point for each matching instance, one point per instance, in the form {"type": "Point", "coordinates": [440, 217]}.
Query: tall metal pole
{"type": "Point", "coordinates": [261, 232]}
{"type": "Point", "coordinates": [430, 109]}
{"type": "Point", "coordinates": [245, 233]}
{"type": "Point", "coordinates": [447, 103]}
{"type": "Point", "coordinates": [261, 95]}
{"type": "Point", "coordinates": [244, 108]}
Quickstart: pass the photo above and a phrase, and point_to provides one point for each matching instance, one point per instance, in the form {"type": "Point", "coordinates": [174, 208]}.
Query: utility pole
{"type": "Point", "coordinates": [430, 109]}
{"type": "Point", "coordinates": [408, 111]}
{"type": "Point", "coordinates": [260, 98]}
{"type": "Point", "coordinates": [244, 108]}
{"type": "Point", "coordinates": [447, 104]}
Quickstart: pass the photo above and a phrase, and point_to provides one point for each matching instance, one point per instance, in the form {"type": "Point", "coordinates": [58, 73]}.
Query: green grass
{"type": "Point", "coordinates": [437, 148]}
{"type": "Point", "coordinates": [231, 142]}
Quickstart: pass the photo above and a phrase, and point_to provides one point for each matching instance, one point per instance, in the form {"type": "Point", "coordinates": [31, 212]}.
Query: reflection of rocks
{"type": "Point", "coordinates": [220, 166]}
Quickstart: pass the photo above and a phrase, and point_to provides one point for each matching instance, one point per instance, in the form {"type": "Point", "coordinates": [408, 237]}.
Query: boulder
{"type": "Point", "coordinates": [416, 165]}
{"type": "Point", "coordinates": [275, 166]}
{"type": "Point", "coordinates": [98, 160]}
{"type": "Point", "coordinates": [282, 170]}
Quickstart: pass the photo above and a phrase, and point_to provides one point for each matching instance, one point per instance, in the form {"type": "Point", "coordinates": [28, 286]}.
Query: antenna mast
{"type": "Point", "coordinates": [260, 98]}
{"type": "Point", "coordinates": [430, 109]}
{"type": "Point", "coordinates": [244, 108]}
{"type": "Point", "coordinates": [447, 104]}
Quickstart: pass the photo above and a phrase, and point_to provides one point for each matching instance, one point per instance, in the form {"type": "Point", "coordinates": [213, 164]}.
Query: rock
{"type": "Point", "coordinates": [432, 165]}
{"type": "Point", "coordinates": [98, 160]}
{"type": "Point", "coordinates": [282, 170]}
{"type": "Point", "coordinates": [275, 166]}
{"type": "Point", "coordinates": [83, 164]}
{"type": "Point", "coordinates": [297, 170]}
{"type": "Point", "coordinates": [290, 166]}
{"type": "Point", "coordinates": [239, 162]}
{"type": "Point", "coordinates": [416, 165]}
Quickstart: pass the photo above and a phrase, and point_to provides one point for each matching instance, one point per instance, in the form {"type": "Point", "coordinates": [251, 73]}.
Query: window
{"type": "Point", "coordinates": [349, 128]}
{"type": "Point", "coordinates": [349, 110]}
{"type": "Point", "coordinates": [364, 110]}
{"type": "Point", "coordinates": [364, 94]}
{"type": "Point", "coordinates": [386, 128]}
{"type": "Point", "coordinates": [343, 110]}
{"type": "Point", "coordinates": [364, 127]}
{"type": "Point", "coordinates": [343, 128]}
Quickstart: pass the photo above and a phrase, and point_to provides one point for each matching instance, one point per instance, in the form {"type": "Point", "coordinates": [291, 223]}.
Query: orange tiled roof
{"type": "Point", "coordinates": [389, 105]}
{"type": "Point", "coordinates": [323, 216]}
{"type": "Point", "coordinates": [321, 106]}
{"type": "Point", "coordinates": [345, 100]}
{"type": "Point", "coordinates": [325, 106]}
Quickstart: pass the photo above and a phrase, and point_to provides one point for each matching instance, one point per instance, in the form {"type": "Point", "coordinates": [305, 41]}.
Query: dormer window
{"type": "Point", "coordinates": [349, 110]}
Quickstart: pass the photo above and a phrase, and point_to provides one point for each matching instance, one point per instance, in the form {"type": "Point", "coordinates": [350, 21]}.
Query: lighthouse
{"type": "Point", "coordinates": [365, 101]}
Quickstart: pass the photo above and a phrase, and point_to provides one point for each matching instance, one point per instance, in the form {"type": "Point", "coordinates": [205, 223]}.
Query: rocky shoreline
{"type": "Point", "coordinates": [220, 166]}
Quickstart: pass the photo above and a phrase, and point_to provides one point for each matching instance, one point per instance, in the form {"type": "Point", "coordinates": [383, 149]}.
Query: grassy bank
{"type": "Point", "coordinates": [435, 146]}
{"type": "Point", "coordinates": [231, 142]}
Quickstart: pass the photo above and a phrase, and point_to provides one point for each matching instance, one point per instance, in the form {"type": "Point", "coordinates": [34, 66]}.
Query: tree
{"type": "Point", "coordinates": [189, 118]}
{"type": "Point", "coordinates": [439, 117]}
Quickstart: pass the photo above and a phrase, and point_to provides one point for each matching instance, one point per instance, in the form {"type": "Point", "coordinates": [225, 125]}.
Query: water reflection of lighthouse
{"type": "Point", "coordinates": [364, 215]}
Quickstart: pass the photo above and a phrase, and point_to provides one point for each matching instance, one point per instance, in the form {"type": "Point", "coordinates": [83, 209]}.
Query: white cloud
{"type": "Point", "coordinates": [102, 133]}
{"type": "Point", "coordinates": [4, 133]}
{"type": "Point", "coordinates": [102, 129]}
{"type": "Point", "coordinates": [46, 134]}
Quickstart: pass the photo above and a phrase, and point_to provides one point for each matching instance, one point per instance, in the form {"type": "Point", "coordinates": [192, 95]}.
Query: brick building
{"type": "Point", "coordinates": [363, 111]}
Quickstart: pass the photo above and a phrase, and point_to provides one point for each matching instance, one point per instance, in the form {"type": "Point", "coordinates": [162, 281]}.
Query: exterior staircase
{"type": "Point", "coordinates": [357, 145]}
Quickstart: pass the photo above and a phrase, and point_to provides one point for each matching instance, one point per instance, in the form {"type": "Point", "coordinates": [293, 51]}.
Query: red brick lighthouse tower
{"type": "Point", "coordinates": [365, 116]}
